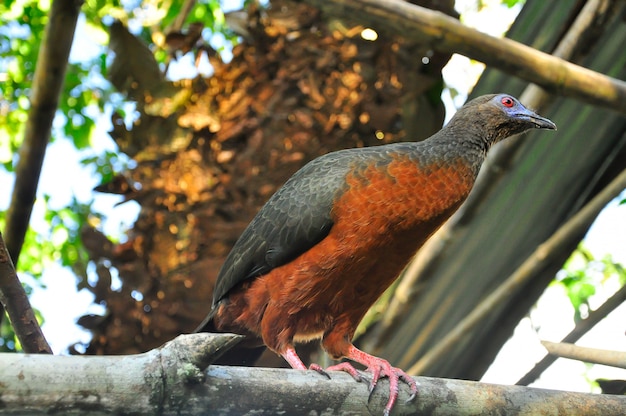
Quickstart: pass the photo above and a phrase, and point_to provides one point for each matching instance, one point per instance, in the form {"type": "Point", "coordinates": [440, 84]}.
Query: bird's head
{"type": "Point", "coordinates": [515, 113]}
{"type": "Point", "coordinates": [498, 116]}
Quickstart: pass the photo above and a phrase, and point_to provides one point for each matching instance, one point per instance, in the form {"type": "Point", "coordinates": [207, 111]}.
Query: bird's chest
{"type": "Point", "coordinates": [402, 197]}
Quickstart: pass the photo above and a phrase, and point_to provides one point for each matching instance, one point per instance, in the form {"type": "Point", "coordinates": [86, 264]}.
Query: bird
{"type": "Point", "coordinates": [329, 242]}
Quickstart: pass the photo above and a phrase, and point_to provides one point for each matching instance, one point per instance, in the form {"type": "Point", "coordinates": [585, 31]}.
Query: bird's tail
{"type": "Point", "coordinates": [242, 354]}
{"type": "Point", "coordinates": [208, 324]}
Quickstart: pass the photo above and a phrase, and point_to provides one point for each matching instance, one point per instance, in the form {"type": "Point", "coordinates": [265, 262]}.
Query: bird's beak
{"type": "Point", "coordinates": [542, 122]}
{"type": "Point", "coordinates": [535, 119]}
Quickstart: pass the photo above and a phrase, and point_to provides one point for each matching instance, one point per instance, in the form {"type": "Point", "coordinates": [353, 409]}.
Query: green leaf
{"type": "Point", "coordinates": [512, 3]}
{"type": "Point", "coordinates": [582, 274]}
{"type": "Point", "coordinates": [8, 340]}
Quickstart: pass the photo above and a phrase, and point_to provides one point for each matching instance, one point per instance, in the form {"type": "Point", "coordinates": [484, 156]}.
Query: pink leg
{"type": "Point", "coordinates": [296, 363]}
{"type": "Point", "coordinates": [293, 359]}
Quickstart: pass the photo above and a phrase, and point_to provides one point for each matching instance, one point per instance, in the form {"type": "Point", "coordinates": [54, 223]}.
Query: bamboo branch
{"type": "Point", "coordinates": [15, 301]}
{"type": "Point", "coordinates": [47, 85]}
{"type": "Point", "coordinates": [534, 263]}
{"type": "Point", "coordinates": [171, 381]}
{"type": "Point", "coordinates": [445, 34]}
{"type": "Point", "coordinates": [581, 328]}
{"type": "Point", "coordinates": [589, 355]}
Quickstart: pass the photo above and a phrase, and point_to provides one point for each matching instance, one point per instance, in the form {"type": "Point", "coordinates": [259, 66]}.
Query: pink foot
{"type": "Point", "coordinates": [380, 368]}
{"type": "Point", "coordinates": [377, 366]}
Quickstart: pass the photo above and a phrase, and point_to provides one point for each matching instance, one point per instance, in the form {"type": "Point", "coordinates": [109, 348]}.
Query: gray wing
{"type": "Point", "coordinates": [295, 218]}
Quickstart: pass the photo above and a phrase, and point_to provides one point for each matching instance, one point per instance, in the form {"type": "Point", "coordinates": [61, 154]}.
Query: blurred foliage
{"type": "Point", "coordinates": [64, 242]}
{"type": "Point", "coordinates": [508, 3]}
{"type": "Point", "coordinates": [21, 30]}
{"type": "Point", "coordinates": [22, 25]}
{"type": "Point", "coordinates": [86, 97]}
{"type": "Point", "coordinates": [582, 275]}
{"type": "Point", "coordinates": [512, 3]}
{"type": "Point", "coordinates": [106, 165]}
{"type": "Point", "coordinates": [8, 340]}
{"type": "Point", "coordinates": [60, 242]}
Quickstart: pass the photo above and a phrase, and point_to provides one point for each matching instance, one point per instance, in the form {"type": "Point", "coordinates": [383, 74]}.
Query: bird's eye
{"type": "Point", "coordinates": [507, 102]}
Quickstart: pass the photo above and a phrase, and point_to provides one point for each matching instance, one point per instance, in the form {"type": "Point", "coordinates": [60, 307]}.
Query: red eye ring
{"type": "Point", "coordinates": [507, 102]}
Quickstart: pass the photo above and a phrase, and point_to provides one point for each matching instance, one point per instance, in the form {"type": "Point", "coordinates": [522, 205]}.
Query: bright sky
{"type": "Point", "coordinates": [61, 305]}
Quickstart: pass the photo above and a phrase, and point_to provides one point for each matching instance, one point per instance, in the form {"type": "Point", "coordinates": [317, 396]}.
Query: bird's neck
{"type": "Point", "coordinates": [463, 143]}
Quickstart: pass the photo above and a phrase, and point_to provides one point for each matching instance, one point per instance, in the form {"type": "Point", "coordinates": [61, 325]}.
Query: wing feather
{"type": "Point", "coordinates": [295, 218]}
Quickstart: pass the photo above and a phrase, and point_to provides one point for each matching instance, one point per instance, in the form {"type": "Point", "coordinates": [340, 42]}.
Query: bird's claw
{"type": "Point", "coordinates": [411, 382]}
{"type": "Point", "coordinates": [319, 369]}
{"type": "Point", "coordinates": [395, 375]}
